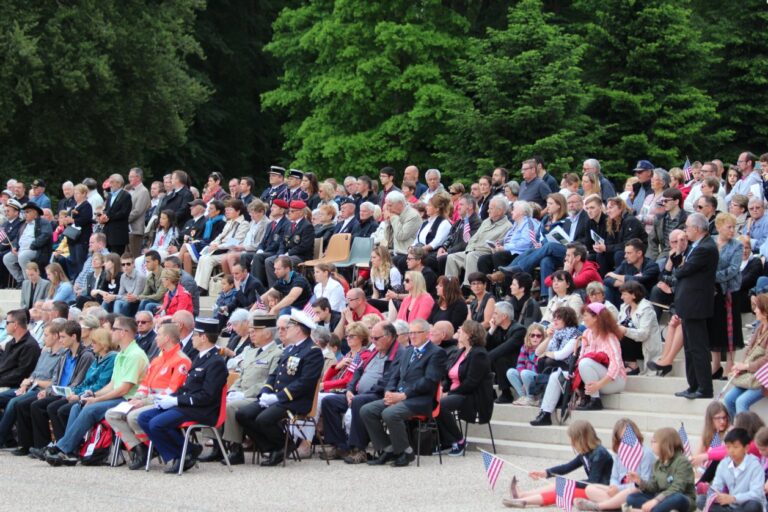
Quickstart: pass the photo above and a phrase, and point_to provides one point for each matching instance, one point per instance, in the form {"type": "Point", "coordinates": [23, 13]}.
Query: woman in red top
{"type": "Point", "coordinates": [339, 375]}
{"type": "Point", "coordinates": [176, 298]}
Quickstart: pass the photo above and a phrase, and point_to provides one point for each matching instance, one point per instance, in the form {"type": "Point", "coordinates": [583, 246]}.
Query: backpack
{"type": "Point", "coordinates": [97, 444]}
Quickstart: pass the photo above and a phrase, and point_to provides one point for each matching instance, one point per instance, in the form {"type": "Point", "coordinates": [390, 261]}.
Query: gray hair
{"type": "Point", "coordinates": [662, 174]}
{"type": "Point", "coordinates": [756, 200]}
{"type": "Point", "coordinates": [118, 179]}
{"type": "Point", "coordinates": [525, 206]}
{"type": "Point", "coordinates": [421, 324]}
{"type": "Point", "coordinates": [350, 179]}
{"type": "Point", "coordinates": [595, 287]}
{"type": "Point", "coordinates": [321, 335]}
{"type": "Point", "coordinates": [67, 184]}
{"type": "Point", "coordinates": [239, 315]}
{"type": "Point", "coordinates": [368, 206]}
{"type": "Point", "coordinates": [432, 171]}
{"type": "Point", "coordinates": [514, 188]}
{"type": "Point", "coordinates": [74, 313]}
{"type": "Point", "coordinates": [395, 197]}
{"type": "Point", "coordinates": [497, 199]}
{"type": "Point", "coordinates": [699, 221]}
{"type": "Point", "coordinates": [506, 309]}
{"type": "Point", "coordinates": [401, 326]}
{"type": "Point", "coordinates": [593, 163]}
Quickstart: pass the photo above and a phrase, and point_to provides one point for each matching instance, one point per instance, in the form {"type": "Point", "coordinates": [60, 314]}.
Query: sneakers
{"type": "Point", "coordinates": [356, 456]}
{"type": "Point", "coordinates": [443, 449]}
{"type": "Point", "coordinates": [61, 459]}
{"type": "Point", "coordinates": [457, 449]}
{"type": "Point", "coordinates": [527, 401]}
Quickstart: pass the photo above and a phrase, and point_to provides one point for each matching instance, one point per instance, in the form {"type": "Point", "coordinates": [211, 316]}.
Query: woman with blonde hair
{"type": "Point", "coordinates": [385, 276]}
{"type": "Point", "coordinates": [418, 303]}
{"type": "Point", "coordinates": [521, 376]}
{"type": "Point", "coordinates": [60, 289]}
{"type": "Point", "coordinates": [590, 184]}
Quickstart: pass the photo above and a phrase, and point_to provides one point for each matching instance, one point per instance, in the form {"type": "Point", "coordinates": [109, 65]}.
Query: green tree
{"type": "Point", "coordinates": [526, 95]}
{"type": "Point", "coordinates": [365, 83]}
{"type": "Point", "coordinates": [645, 67]}
{"type": "Point", "coordinates": [94, 86]}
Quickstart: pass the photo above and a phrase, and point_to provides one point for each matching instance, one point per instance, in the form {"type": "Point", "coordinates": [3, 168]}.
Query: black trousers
{"type": "Point", "coordinates": [38, 420]}
{"type": "Point", "coordinates": [263, 425]}
{"type": "Point", "coordinates": [698, 360]}
{"type": "Point", "coordinates": [333, 411]}
{"type": "Point", "coordinates": [24, 421]}
{"type": "Point", "coordinates": [259, 266]}
{"type": "Point", "coordinates": [488, 263]}
{"type": "Point", "coordinates": [450, 431]}
{"type": "Point", "coordinates": [58, 413]}
{"type": "Point", "coordinates": [116, 248]}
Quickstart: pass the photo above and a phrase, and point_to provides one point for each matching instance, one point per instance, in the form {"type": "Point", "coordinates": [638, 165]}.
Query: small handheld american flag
{"type": "Point", "coordinates": [3, 235]}
{"type": "Point", "coordinates": [260, 306]}
{"type": "Point", "coordinates": [309, 310]}
{"type": "Point", "coordinates": [687, 169]}
{"type": "Point", "coordinates": [354, 363]}
{"type": "Point", "coordinates": [467, 235]}
{"type": "Point", "coordinates": [493, 466]}
{"type": "Point", "coordinates": [630, 450]}
{"type": "Point", "coordinates": [564, 488]}
{"type": "Point", "coordinates": [716, 441]}
{"type": "Point", "coordinates": [762, 375]}
{"type": "Point", "coordinates": [711, 497]}
{"type": "Point", "coordinates": [684, 438]}
{"type": "Point", "coordinates": [533, 237]}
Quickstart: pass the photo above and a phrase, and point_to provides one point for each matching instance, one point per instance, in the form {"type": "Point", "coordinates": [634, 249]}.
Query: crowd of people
{"type": "Point", "coordinates": [512, 284]}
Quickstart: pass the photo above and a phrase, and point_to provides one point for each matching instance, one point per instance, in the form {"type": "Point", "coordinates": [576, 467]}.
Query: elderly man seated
{"type": "Point", "coordinates": [493, 228]}
{"type": "Point", "coordinates": [505, 339]}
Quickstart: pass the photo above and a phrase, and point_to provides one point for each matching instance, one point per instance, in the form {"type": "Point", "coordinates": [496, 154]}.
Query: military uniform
{"type": "Point", "coordinates": [293, 382]}
{"type": "Point", "coordinates": [257, 365]}
{"type": "Point", "coordinates": [272, 193]}
{"type": "Point", "coordinates": [298, 243]}
{"type": "Point", "coordinates": [199, 400]}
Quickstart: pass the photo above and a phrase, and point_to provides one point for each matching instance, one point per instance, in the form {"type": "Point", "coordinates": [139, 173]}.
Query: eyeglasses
{"type": "Point", "coordinates": [536, 335]}
{"type": "Point", "coordinates": [143, 321]}
{"type": "Point", "coordinates": [376, 338]}
{"type": "Point", "coordinates": [352, 300]}
{"type": "Point", "coordinates": [127, 264]}
{"type": "Point", "coordinates": [415, 332]}
{"type": "Point", "coordinates": [720, 417]}
{"type": "Point", "coordinates": [350, 336]}
{"type": "Point", "coordinates": [410, 258]}
{"type": "Point", "coordinates": [454, 193]}
{"type": "Point", "coordinates": [119, 329]}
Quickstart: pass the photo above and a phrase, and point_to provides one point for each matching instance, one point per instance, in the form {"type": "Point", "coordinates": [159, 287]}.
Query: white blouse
{"type": "Point", "coordinates": [443, 230]}
{"type": "Point", "coordinates": [334, 292]}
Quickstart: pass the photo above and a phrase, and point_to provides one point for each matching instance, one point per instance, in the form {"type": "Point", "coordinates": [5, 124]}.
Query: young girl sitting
{"type": "Point", "coordinates": [225, 298]}
{"type": "Point", "coordinates": [613, 496]}
{"type": "Point", "coordinates": [521, 376]}
{"type": "Point", "coordinates": [670, 487]}
{"type": "Point", "coordinates": [592, 456]}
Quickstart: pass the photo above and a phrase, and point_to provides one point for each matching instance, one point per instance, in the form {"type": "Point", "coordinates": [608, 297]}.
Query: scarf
{"type": "Point", "coordinates": [209, 226]}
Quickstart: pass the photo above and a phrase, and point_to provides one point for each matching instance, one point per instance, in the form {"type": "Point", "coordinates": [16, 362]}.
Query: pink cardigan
{"type": "Point", "coordinates": [422, 308]}
{"type": "Point", "coordinates": [611, 347]}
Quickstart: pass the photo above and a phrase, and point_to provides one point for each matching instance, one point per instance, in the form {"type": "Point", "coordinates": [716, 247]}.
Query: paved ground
{"type": "Point", "coordinates": [458, 485]}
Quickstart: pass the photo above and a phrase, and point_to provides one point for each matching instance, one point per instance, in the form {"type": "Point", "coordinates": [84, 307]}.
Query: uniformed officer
{"type": "Point", "coordinates": [298, 242]}
{"type": "Point", "coordinates": [295, 193]}
{"type": "Point", "coordinates": [291, 387]}
{"type": "Point", "coordinates": [277, 188]}
{"type": "Point", "coordinates": [199, 400]}
{"type": "Point", "coordinates": [270, 244]}
{"type": "Point", "coordinates": [259, 360]}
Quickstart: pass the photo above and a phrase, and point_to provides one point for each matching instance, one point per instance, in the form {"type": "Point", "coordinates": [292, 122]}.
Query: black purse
{"type": "Point", "coordinates": [72, 232]}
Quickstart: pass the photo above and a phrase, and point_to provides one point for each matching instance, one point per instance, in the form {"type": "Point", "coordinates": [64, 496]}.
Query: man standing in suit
{"type": "Point", "coordinates": [140, 202]}
{"type": "Point", "coordinates": [289, 389]}
{"type": "Point", "coordinates": [410, 391]}
{"type": "Point", "coordinates": [117, 209]}
{"type": "Point", "coordinates": [694, 302]}
{"type": "Point", "coordinates": [198, 400]}
{"type": "Point", "coordinates": [178, 198]}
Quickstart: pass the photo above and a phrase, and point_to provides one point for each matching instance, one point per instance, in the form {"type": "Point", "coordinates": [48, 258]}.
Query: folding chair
{"type": "Point", "coordinates": [338, 250]}
{"type": "Point", "coordinates": [189, 428]}
{"type": "Point", "coordinates": [429, 423]}
{"type": "Point", "coordinates": [293, 420]}
{"type": "Point", "coordinates": [489, 381]}
{"type": "Point", "coordinates": [359, 253]}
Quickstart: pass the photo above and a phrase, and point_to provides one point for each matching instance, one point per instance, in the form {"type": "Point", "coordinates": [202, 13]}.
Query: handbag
{"type": "Point", "coordinates": [747, 380]}
{"type": "Point", "coordinates": [72, 232]}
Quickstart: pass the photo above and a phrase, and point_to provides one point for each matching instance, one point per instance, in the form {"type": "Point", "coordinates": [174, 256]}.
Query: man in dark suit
{"type": "Point", "coordinates": [178, 199]}
{"type": "Point", "coordinates": [298, 241]}
{"type": "Point", "coordinates": [346, 221]}
{"type": "Point", "coordinates": [410, 391]}
{"type": "Point", "coordinates": [11, 228]}
{"type": "Point", "coordinates": [114, 218]}
{"type": "Point", "coordinates": [270, 243]}
{"type": "Point", "coordinates": [146, 335]}
{"type": "Point", "coordinates": [194, 227]}
{"type": "Point", "coordinates": [277, 188]}
{"type": "Point", "coordinates": [248, 288]}
{"type": "Point", "coordinates": [694, 303]}
{"type": "Point", "coordinates": [34, 242]}
{"type": "Point", "coordinates": [290, 388]}
{"type": "Point", "coordinates": [198, 400]}
{"type": "Point", "coordinates": [364, 388]}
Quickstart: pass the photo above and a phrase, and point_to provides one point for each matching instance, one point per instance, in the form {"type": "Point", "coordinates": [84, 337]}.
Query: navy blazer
{"type": "Point", "coordinates": [351, 226]}
{"type": "Point", "coordinates": [178, 201]}
{"type": "Point", "coordinates": [245, 298]}
{"type": "Point", "coordinates": [295, 379]}
{"type": "Point", "coordinates": [272, 236]}
{"type": "Point", "coordinates": [116, 229]}
{"type": "Point", "coordinates": [299, 243]}
{"type": "Point", "coordinates": [695, 288]}
{"type": "Point", "coordinates": [11, 228]}
{"type": "Point", "coordinates": [419, 378]}
{"type": "Point", "coordinates": [200, 395]}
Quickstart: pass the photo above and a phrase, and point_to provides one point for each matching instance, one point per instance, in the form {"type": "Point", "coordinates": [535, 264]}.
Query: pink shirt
{"type": "Point", "coordinates": [453, 373]}
{"type": "Point", "coordinates": [610, 346]}
{"type": "Point", "coordinates": [419, 308]}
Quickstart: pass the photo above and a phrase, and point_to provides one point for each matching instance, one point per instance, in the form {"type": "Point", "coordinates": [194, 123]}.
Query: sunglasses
{"type": "Point", "coordinates": [143, 321]}
{"type": "Point", "coordinates": [534, 335]}
{"type": "Point", "coordinates": [127, 264]}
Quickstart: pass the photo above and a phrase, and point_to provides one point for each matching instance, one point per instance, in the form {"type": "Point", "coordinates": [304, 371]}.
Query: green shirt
{"type": "Point", "coordinates": [130, 366]}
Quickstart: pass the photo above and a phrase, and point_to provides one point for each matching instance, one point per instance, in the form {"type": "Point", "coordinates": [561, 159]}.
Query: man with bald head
{"type": "Point", "coordinates": [186, 324]}
{"type": "Point", "coordinates": [411, 173]}
{"type": "Point", "coordinates": [114, 218]}
{"type": "Point", "coordinates": [357, 308]}
{"type": "Point", "coordinates": [441, 334]}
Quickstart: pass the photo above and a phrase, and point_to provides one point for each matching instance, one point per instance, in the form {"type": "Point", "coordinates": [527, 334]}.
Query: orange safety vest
{"type": "Point", "coordinates": [166, 373]}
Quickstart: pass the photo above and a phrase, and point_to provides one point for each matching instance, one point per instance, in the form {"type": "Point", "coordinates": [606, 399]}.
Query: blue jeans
{"type": "Point", "coordinates": [677, 501]}
{"type": "Point", "coordinates": [80, 421]}
{"type": "Point", "coordinates": [148, 305]}
{"type": "Point", "coordinates": [740, 400]}
{"type": "Point", "coordinates": [548, 257]}
{"type": "Point", "coordinates": [520, 380]}
{"type": "Point", "coordinates": [9, 415]}
{"type": "Point", "coordinates": [125, 308]}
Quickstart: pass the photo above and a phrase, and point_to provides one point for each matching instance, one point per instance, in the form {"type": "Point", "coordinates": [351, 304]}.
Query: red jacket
{"type": "Point", "coordinates": [335, 380]}
{"type": "Point", "coordinates": [589, 272]}
{"type": "Point", "coordinates": [181, 301]}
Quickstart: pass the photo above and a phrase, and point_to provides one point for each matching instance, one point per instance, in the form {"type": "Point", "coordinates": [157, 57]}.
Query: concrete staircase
{"type": "Point", "coordinates": [649, 401]}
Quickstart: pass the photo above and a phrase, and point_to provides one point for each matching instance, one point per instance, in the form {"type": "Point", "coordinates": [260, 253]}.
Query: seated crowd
{"type": "Point", "coordinates": [512, 285]}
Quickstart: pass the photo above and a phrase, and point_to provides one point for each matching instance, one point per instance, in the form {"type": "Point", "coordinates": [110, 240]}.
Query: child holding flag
{"type": "Point", "coordinates": [670, 486]}
{"type": "Point", "coordinates": [592, 456]}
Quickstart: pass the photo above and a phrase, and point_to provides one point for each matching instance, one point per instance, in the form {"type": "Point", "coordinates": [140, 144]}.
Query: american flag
{"type": "Point", "coordinates": [533, 237]}
{"type": "Point", "coordinates": [467, 227]}
{"type": "Point", "coordinates": [684, 439]}
{"type": "Point", "coordinates": [3, 235]}
{"type": "Point", "coordinates": [493, 467]}
{"type": "Point", "coordinates": [309, 310]}
{"type": "Point", "coordinates": [354, 364]}
{"type": "Point", "coordinates": [630, 449]}
{"type": "Point", "coordinates": [564, 488]}
{"type": "Point", "coordinates": [260, 306]}
{"type": "Point", "coordinates": [711, 497]}
{"type": "Point", "coordinates": [687, 169]}
{"type": "Point", "coordinates": [716, 441]}
{"type": "Point", "coordinates": [762, 375]}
